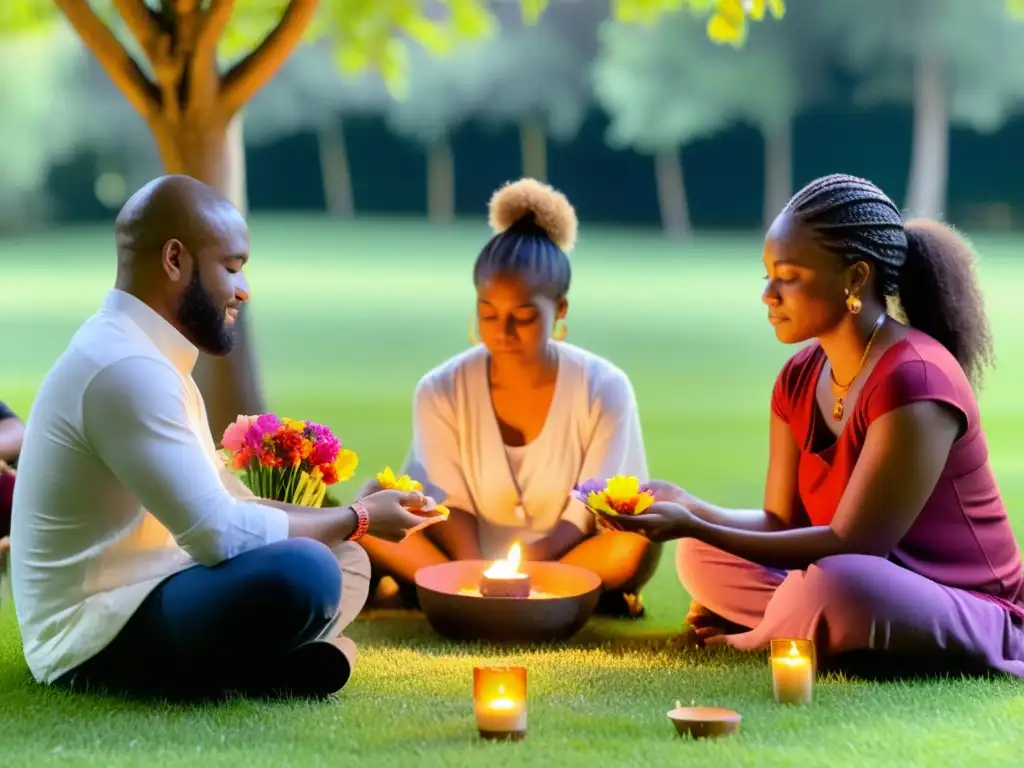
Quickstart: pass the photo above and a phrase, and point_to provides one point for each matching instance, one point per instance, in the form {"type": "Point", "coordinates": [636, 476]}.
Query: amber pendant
{"type": "Point", "coordinates": [837, 410]}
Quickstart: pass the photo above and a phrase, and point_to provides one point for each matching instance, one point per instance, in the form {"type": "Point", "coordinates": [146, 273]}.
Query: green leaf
{"type": "Point", "coordinates": [27, 16]}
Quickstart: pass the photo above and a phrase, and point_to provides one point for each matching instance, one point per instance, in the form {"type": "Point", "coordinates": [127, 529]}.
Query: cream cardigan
{"type": "Point", "coordinates": [592, 430]}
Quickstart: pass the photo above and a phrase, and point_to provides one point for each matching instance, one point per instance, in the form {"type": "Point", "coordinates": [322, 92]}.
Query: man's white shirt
{"type": "Point", "coordinates": [119, 487]}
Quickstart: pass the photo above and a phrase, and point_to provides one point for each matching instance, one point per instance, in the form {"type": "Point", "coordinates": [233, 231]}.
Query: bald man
{"type": "Point", "coordinates": [140, 565]}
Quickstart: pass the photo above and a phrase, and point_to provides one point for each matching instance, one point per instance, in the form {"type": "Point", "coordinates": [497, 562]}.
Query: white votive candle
{"type": "Point", "coordinates": [792, 663]}
{"type": "Point", "coordinates": [499, 701]}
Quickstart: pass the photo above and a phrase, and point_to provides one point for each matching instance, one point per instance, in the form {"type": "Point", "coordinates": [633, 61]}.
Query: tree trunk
{"type": "Point", "coordinates": [335, 175]}
{"type": "Point", "coordinates": [675, 214]}
{"type": "Point", "coordinates": [188, 103]}
{"type": "Point", "coordinates": [778, 171]}
{"type": "Point", "coordinates": [214, 153]}
{"type": "Point", "coordinates": [929, 164]}
{"type": "Point", "coordinates": [441, 183]}
{"type": "Point", "coordinates": [533, 141]}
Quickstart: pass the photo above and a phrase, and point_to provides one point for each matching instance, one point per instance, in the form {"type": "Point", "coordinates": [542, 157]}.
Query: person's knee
{"type": "Point", "coordinates": [304, 572]}
{"type": "Point", "coordinates": [636, 558]}
{"type": "Point", "coordinates": [849, 585]}
{"type": "Point", "coordinates": [694, 565]}
{"type": "Point", "coordinates": [353, 559]}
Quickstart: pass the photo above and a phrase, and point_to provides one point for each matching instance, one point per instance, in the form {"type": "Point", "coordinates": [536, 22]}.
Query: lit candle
{"type": "Point", "coordinates": [793, 670]}
{"type": "Point", "coordinates": [499, 702]}
{"type": "Point", "coordinates": [504, 579]}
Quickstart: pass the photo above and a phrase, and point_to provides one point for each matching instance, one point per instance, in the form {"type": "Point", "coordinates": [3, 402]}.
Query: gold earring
{"type": "Point", "coordinates": [853, 303]}
{"type": "Point", "coordinates": [560, 331]}
{"type": "Point", "coordinates": [473, 338]}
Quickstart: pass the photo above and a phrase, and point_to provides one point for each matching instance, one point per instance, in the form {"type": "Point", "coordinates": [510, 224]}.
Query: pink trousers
{"type": "Point", "coordinates": [854, 607]}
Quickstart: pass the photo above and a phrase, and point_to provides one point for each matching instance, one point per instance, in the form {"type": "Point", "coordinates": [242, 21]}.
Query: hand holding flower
{"type": "Point", "coordinates": [620, 495]}
{"type": "Point", "coordinates": [394, 514]}
{"type": "Point", "coordinates": [387, 480]}
{"type": "Point", "coordinates": [663, 521]}
{"type": "Point", "coordinates": [666, 491]}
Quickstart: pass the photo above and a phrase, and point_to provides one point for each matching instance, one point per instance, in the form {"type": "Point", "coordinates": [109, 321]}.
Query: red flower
{"type": "Point", "coordinates": [241, 459]}
{"type": "Point", "coordinates": [288, 447]}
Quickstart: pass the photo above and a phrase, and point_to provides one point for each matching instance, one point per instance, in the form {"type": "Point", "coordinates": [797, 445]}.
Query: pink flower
{"type": "Point", "coordinates": [234, 435]}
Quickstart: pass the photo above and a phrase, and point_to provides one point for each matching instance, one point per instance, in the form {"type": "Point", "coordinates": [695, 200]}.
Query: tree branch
{"type": "Point", "coordinates": [204, 82]}
{"type": "Point", "coordinates": [212, 24]}
{"type": "Point", "coordinates": [252, 73]}
{"type": "Point", "coordinates": [115, 60]}
{"type": "Point", "coordinates": [140, 22]}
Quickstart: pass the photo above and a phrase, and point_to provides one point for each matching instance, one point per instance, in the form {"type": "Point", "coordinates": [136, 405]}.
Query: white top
{"type": "Point", "coordinates": [592, 431]}
{"type": "Point", "coordinates": [119, 486]}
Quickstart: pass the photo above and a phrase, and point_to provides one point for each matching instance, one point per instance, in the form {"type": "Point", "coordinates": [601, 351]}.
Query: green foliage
{"type": "Point", "coordinates": [26, 16]}
{"type": "Point", "coordinates": [379, 34]}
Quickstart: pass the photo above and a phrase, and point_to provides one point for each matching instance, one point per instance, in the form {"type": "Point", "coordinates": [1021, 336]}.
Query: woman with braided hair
{"type": "Point", "coordinates": [883, 535]}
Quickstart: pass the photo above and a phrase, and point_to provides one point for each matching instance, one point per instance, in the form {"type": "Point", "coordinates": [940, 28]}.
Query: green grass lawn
{"type": "Point", "coordinates": [348, 317]}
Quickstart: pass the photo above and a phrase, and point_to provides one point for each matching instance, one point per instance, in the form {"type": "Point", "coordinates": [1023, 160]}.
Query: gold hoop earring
{"type": "Point", "coordinates": [474, 339]}
{"type": "Point", "coordinates": [853, 303]}
{"type": "Point", "coordinates": [560, 331]}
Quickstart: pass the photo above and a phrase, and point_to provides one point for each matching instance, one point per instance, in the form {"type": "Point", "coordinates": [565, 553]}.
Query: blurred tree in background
{"type": "Point", "coordinates": [36, 129]}
{"type": "Point", "coordinates": [957, 63]}
{"type": "Point", "coordinates": [311, 94]}
{"type": "Point", "coordinates": [665, 86]}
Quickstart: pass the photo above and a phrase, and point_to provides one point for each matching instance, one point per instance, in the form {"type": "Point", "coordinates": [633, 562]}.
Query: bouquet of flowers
{"type": "Point", "coordinates": [388, 481]}
{"type": "Point", "coordinates": [287, 460]}
{"type": "Point", "coordinates": [619, 495]}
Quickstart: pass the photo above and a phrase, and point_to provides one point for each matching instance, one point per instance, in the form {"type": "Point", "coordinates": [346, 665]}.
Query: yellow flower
{"type": "Point", "coordinates": [622, 495]}
{"type": "Point", "coordinates": [728, 23]}
{"type": "Point", "coordinates": [388, 481]}
{"type": "Point", "coordinates": [298, 426]}
{"type": "Point", "coordinates": [345, 465]}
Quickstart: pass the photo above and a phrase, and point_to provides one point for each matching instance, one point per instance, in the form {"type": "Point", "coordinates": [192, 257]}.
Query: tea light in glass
{"type": "Point", "coordinates": [793, 670]}
{"type": "Point", "coordinates": [499, 702]}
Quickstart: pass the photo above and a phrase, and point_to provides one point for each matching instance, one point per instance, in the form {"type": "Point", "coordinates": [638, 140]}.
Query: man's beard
{"type": "Point", "coordinates": [203, 321]}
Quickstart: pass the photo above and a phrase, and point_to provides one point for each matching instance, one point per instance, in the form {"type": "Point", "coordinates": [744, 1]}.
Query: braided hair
{"type": "Point", "coordinates": [534, 229]}
{"type": "Point", "coordinates": [925, 266]}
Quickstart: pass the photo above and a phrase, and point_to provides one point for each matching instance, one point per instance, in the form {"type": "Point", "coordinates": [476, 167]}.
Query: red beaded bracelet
{"type": "Point", "coordinates": [363, 521]}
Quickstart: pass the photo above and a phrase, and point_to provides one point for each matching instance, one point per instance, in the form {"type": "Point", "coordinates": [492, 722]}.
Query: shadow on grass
{"type": "Point", "coordinates": [410, 630]}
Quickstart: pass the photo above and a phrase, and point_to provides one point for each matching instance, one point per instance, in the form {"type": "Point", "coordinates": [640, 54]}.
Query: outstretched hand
{"type": "Point", "coordinates": [396, 514]}
{"type": "Point", "coordinates": [663, 521]}
{"type": "Point", "coordinates": [666, 491]}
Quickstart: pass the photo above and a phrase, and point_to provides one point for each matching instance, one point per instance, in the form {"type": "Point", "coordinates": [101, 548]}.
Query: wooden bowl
{"type": "Point", "coordinates": [572, 595]}
{"type": "Point", "coordinates": [704, 722]}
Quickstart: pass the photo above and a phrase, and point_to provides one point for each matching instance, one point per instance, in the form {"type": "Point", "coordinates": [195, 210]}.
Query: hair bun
{"type": "Point", "coordinates": [549, 208]}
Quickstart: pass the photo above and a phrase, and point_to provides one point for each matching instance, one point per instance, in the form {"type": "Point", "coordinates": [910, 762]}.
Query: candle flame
{"type": "Point", "coordinates": [509, 567]}
{"type": "Point", "coordinates": [793, 650]}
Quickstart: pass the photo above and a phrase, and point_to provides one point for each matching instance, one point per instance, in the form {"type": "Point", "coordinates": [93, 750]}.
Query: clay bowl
{"type": "Point", "coordinates": [569, 598]}
{"type": "Point", "coordinates": [704, 722]}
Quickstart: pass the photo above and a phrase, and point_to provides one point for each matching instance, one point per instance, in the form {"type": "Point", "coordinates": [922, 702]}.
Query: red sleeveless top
{"type": "Point", "coordinates": [962, 536]}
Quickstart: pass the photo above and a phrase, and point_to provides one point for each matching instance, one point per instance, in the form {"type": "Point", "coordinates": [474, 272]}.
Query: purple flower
{"type": "Point", "coordinates": [583, 490]}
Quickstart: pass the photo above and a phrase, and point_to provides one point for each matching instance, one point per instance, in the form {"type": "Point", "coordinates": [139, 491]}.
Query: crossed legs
{"type": "Point", "coordinates": [263, 623]}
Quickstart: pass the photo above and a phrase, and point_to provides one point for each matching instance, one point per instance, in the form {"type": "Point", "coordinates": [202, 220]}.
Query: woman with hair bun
{"type": "Point", "coordinates": [883, 535]}
{"type": "Point", "coordinates": [504, 430]}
